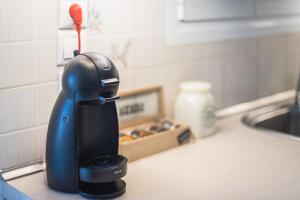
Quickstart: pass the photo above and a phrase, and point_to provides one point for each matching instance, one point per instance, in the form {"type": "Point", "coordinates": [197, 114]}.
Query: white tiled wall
{"type": "Point", "coordinates": [28, 84]}
{"type": "Point", "coordinates": [240, 79]}
{"type": "Point", "coordinates": [132, 34]}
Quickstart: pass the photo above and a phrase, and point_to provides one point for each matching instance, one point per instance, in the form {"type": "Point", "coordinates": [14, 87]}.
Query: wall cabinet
{"type": "Point", "coordinates": [192, 21]}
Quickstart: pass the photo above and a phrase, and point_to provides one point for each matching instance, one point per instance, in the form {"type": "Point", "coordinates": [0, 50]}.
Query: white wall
{"type": "Point", "coordinates": [132, 33]}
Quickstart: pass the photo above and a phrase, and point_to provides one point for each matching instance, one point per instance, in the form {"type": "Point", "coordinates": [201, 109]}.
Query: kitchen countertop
{"type": "Point", "coordinates": [237, 163]}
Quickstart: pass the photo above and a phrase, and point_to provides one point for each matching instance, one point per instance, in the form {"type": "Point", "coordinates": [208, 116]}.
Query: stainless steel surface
{"type": "Point", "coordinates": [25, 170]}
{"type": "Point", "coordinates": [257, 117]}
{"type": "Point", "coordinates": [243, 108]}
{"type": "Point", "coordinates": [259, 114]}
{"type": "Point", "coordinates": [297, 98]}
{"type": "Point", "coordinates": [8, 192]}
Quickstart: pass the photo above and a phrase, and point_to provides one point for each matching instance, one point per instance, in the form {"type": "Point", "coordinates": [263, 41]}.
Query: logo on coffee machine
{"type": "Point", "coordinates": [118, 171]}
{"type": "Point", "coordinates": [104, 63]}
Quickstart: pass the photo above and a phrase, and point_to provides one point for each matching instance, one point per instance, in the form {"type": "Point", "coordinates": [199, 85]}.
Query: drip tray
{"type": "Point", "coordinates": [103, 190]}
{"type": "Point", "coordinates": [103, 169]}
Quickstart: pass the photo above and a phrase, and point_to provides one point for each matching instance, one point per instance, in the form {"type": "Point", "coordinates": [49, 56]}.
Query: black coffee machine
{"type": "Point", "coordinates": [83, 133]}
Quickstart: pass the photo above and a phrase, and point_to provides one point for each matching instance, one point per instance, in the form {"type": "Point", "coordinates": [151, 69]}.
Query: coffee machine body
{"type": "Point", "coordinates": [82, 140]}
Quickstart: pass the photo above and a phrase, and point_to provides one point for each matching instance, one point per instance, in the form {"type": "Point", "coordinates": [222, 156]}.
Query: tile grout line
{"type": "Point", "coordinates": [16, 131]}
{"type": "Point", "coordinates": [23, 86]}
{"type": "Point", "coordinates": [3, 43]}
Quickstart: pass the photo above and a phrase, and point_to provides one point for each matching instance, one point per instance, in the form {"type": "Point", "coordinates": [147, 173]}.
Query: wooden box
{"type": "Point", "coordinates": [143, 108]}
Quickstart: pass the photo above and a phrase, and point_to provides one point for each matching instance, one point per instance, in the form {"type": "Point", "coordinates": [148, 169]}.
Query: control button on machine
{"type": "Point", "coordinates": [103, 63]}
{"type": "Point", "coordinates": [109, 82]}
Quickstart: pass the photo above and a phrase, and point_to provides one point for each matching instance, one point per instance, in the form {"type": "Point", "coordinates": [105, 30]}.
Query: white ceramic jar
{"type": "Point", "coordinates": [195, 106]}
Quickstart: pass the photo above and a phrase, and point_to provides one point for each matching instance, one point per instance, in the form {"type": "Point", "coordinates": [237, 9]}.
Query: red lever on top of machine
{"type": "Point", "coordinates": [76, 14]}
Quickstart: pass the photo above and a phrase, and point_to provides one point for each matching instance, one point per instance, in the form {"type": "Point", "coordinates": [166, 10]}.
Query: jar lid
{"type": "Point", "coordinates": [196, 86]}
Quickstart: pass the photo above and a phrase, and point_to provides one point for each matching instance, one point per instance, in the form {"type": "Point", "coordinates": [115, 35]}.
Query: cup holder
{"type": "Point", "coordinates": [103, 169]}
